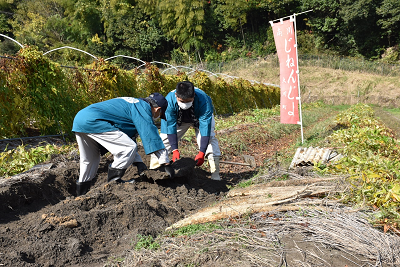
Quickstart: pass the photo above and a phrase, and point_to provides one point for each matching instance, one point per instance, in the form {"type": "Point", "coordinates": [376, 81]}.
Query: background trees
{"type": "Point", "coordinates": [389, 21]}
{"type": "Point", "coordinates": [200, 30]}
{"type": "Point", "coordinates": [348, 27]}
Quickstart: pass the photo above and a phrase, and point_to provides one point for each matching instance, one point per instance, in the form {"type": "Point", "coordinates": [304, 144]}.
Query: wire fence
{"type": "Point", "coordinates": [215, 68]}
{"type": "Point", "coordinates": [167, 68]}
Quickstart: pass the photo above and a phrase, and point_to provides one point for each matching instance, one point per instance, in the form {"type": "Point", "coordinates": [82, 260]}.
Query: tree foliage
{"type": "Point", "coordinates": [127, 30]}
{"type": "Point", "coordinates": [351, 27]}
{"type": "Point", "coordinates": [160, 29]}
{"type": "Point", "coordinates": [389, 11]}
{"type": "Point", "coordinates": [183, 21]}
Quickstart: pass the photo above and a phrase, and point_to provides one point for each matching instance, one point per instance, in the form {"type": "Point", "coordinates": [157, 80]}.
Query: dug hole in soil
{"type": "Point", "coordinates": [44, 224]}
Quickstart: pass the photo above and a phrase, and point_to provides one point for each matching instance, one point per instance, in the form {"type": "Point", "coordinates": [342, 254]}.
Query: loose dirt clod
{"type": "Point", "coordinates": [183, 168]}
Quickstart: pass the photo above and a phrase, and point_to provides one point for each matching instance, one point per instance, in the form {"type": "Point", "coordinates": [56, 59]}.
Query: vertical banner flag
{"type": "Point", "coordinates": [285, 41]}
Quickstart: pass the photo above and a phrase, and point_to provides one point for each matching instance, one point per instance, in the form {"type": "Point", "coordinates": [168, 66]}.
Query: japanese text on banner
{"type": "Point", "coordinates": [285, 42]}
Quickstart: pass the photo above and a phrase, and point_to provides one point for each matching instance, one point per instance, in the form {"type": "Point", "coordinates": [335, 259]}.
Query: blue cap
{"type": "Point", "coordinates": [161, 102]}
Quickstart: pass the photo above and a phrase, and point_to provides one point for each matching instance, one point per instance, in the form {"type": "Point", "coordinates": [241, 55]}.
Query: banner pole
{"type": "Point", "coordinates": [298, 79]}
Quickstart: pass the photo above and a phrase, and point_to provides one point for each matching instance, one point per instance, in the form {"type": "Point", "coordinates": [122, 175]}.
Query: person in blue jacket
{"type": "Point", "coordinates": [190, 107]}
{"type": "Point", "coordinates": [113, 125]}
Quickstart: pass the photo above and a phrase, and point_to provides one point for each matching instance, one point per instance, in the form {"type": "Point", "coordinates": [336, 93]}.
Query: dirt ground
{"type": "Point", "coordinates": [43, 224]}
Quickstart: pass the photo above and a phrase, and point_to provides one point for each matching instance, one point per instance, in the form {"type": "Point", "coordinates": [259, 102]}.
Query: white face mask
{"type": "Point", "coordinates": [155, 118]}
{"type": "Point", "coordinates": [185, 106]}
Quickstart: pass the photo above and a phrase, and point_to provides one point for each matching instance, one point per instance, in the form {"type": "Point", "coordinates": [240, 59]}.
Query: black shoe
{"type": "Point", "coordinates": [82, 188]}
{"type": "Point", "coordinates": [115, 174]}
{"type": "Point", "coordinates": [141, 167]}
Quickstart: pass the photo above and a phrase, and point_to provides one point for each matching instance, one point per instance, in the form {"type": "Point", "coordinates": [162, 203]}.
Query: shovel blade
{"type": "Point", "coordinates": [250, 160]}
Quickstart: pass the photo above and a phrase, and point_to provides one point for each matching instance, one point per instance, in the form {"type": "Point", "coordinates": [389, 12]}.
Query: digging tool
{"type": "Point", "coordinates": [179, 169]}
{"type": "Point", "coordinates": [250, 161]}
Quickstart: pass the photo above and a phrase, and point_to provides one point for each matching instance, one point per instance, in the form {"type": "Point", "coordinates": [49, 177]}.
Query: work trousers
{"type": "Point", "coordinates": [123, 148]}
{"type": "Point", "coordinates": [212, 151]}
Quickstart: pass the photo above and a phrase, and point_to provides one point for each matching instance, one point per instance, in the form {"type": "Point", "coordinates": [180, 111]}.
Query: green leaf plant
{"type": "Point", "coordinates": [371, 159]}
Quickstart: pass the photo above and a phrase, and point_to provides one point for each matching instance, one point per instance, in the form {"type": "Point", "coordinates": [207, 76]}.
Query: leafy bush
{"type": "Point", "coordinates": [21, 159]}
{"type": "Point", "coordinates": [371, 159]}
{"type": "Point", "coordinates": [37, 93]}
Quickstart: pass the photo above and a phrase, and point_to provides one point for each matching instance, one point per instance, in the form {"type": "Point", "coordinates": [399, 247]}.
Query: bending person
{"type": "Point", "coordinates": [110, 126]}
{"type": "Point", "coordinates": [190, 107]}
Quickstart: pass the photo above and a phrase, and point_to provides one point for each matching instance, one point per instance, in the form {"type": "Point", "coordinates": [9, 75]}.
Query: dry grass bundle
{"type": "Point", "coordinates": [308, 237]}
{"type": "Point", "coordinates": [348, 232]}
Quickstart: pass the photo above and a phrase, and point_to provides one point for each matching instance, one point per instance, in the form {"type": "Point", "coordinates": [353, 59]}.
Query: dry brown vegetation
{"type": "Point", "coordinates": [334, 86]}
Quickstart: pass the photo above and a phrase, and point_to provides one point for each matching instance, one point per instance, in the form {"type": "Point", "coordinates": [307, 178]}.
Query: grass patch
{"type": "Point", "coordinates": [394, 111]}
{"type": "Point", "coordinates": [258, 116]}
{"type": "Point", "coordinates": [244, 184]}
{"type": "Point", "coordinates": [194, 229]}
{"type": "Point", "coordinates": [146, 242]}
{"type": "Point", "coordinates": [318, 124]}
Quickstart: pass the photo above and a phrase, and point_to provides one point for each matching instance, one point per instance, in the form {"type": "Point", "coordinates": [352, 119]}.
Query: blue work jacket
{"type": "Point", "coordinates": [127, 114]}
{"type": "Point", "coordinates": [203, 110]}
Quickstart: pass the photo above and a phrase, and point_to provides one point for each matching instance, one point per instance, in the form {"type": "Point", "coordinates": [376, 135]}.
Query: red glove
{"type": "Point", "coordinates": [199, 159]}
{"type": "Point", "coordinates": [175, 155]}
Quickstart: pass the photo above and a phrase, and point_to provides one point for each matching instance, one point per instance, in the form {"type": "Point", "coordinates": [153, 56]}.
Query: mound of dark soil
{"type": "Point", "coordinates": [44, 224]}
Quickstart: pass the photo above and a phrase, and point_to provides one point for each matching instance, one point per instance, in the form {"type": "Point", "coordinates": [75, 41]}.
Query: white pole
{"type": "Point", "coordinates": [12, 40]}
{"type": "Point", "coordinates": [298, 80]}
{"type": "Point", "coordinates": [271, 21]}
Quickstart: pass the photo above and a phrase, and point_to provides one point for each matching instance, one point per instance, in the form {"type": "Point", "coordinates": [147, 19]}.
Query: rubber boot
{"type": "Point", "coordinates": [154, 164]}
{"type": "Point", "coordinates": [141, 167]}
{"type": "Point", "coordinates": [115, 174]}
{"type": "Point", "coordinates": [214, 168]}
{"type": "Point", "coordinates": [82, 188]}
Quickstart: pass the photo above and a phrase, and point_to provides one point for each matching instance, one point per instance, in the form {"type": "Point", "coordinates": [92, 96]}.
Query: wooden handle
{"type": "Point", "coordinates": [235, 163]}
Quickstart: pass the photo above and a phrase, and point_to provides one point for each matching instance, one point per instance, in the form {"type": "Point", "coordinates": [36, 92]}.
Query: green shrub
{"type": "Point", "coordinates": [37, 93]}
{"type": "Point", "coordinates": [21, 159]}
{"type": "Point", "coordinates": [371, 159]}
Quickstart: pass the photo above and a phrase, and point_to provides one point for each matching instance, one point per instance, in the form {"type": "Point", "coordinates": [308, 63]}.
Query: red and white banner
{"type": "Point", "coordinates": [285, 41]}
